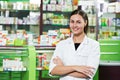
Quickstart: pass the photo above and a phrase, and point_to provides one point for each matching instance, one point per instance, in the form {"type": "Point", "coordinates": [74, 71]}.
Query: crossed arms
{"type": "Point", "coordinates": [73, 70]}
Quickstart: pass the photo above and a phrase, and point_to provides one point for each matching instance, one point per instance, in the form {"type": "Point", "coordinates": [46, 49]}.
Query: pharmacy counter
{"type": "Point", "coordinates": [109, 70]}
{"type": "Point", "coordinates": [109, 63]}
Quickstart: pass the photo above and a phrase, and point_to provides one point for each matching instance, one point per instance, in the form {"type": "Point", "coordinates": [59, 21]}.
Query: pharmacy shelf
{"type": "Point", "coordinates": [27, 25]}
{"type": "Point", "coordinates": [28, 55]}
{"type": "Point", "coordinates": [58, 12]}
{"type": "Point", "coordinates": [56, 25]}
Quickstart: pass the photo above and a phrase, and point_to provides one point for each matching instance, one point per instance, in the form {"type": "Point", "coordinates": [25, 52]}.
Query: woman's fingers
{"type": "Point", "coordinates": [88, 72]}
{"type": "Point", "coordinates": [85, 70]}
{"type": "Point", "coordinates": [57, 61]}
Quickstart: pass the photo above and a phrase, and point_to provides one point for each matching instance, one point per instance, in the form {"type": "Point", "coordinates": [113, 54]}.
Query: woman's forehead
{"type": "Point", "coordinates": [76, 16]}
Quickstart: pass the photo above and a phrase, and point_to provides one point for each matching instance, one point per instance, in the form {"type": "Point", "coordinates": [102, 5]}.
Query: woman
{"type": "Point", "coordinates": [77, 57]}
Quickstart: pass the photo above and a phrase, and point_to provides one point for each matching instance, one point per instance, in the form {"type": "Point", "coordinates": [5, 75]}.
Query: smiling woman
{"type": "Point", "coordinates": [71, 62]}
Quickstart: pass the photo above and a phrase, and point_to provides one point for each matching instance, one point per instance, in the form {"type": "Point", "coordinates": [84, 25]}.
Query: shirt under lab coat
{"type": "Point", "coordinates": [88, 53]}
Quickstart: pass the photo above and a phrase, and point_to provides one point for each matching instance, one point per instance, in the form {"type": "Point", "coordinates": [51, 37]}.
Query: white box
{"type": "Point", "coordinates": [117, 7]}
{"type": "Point", "coordinates": [1, 27]}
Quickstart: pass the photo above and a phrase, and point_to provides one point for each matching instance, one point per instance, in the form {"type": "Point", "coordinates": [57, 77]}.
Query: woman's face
{"type": "Point", "coordinates": [77, 24]}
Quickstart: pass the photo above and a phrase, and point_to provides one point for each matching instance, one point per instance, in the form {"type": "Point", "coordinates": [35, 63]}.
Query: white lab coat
{"type": "Point", "coordinates": [88, 53]}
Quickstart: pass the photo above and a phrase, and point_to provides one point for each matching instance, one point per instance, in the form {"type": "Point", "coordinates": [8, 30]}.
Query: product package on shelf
{"type": "Point", "coordinates": [43, 62]}
{"type": "Point", "coordinates": [13, 64]}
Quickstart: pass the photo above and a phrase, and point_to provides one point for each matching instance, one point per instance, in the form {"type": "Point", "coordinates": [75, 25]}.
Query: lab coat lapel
{"type": "Point", "coordinates": [82, 45]}
{"type": "Point", "coordinates": [71, 44]}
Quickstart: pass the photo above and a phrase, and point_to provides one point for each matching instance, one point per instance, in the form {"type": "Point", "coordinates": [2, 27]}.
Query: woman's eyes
{"type": "Point", "coordinates": [76, 22]}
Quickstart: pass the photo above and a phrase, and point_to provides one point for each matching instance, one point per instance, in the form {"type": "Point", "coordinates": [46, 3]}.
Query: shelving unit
{"type": "Point", "coordinates": [27, 56]}
{"type": "Point", "coordinates": [14, 17]}
{"type": "Point", "coordinates": [58, 19]}
{"type": "Point", "coordinates": [109, 20]}
{"type": "Point", "coordinates": [44, 54]}
{"type": "Point", "coordinates": [109, 38]}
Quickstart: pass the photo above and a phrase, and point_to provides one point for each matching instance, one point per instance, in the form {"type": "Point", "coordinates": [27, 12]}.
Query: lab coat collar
{"type": "Point", "coordinates": [85, 40]}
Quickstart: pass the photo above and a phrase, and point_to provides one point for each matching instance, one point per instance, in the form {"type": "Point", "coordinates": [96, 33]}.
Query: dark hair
{"type": "Point", "coordinates": [84, 16]}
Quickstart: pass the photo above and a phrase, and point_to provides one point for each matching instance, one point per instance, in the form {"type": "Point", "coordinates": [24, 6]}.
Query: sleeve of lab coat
{"type": "Point", "coordinates": [58, 53]}
{"type": "Point", "coordinates": [94, 58]}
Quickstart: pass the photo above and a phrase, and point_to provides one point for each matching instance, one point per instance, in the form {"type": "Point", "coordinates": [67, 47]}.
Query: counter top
{"type": "Point", "coordinates": [109, 63]}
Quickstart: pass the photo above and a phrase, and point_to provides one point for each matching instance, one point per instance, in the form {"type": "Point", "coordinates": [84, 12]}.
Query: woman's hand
{"type": "Point", "coordinates": [87, 70]}
{"type": "Point", "coordinates": [58, 61]}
